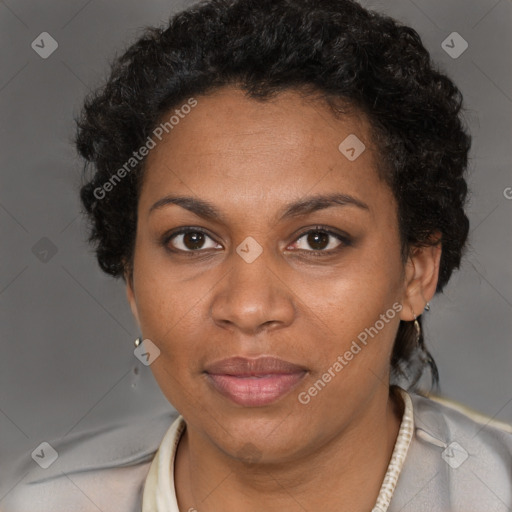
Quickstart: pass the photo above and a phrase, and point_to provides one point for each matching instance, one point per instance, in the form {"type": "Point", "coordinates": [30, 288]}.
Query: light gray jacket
{"type": "Point", "coordinates": [455, 463]}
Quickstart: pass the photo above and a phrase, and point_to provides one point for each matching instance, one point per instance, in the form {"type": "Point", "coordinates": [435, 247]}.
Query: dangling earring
{"type": "Point", "coordinates": [418, 329]}
{"type": "Point", "coordinates": [138, 341]}
{"type": "Point", "coordinates": [427, 307]}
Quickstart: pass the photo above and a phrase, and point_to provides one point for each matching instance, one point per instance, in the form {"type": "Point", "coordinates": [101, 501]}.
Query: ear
{"type": "Point", "coordinates": [421, 276]}
{"type": "Point", "coordinates": [130, 294]}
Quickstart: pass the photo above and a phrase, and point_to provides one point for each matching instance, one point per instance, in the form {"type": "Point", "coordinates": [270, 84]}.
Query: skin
{"type": "Point", "coordinates": [250, 159]}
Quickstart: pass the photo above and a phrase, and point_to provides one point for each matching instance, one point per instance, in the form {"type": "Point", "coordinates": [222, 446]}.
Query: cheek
{"type": "Point", "coordinates": [168, 307]}
{"type": "Point", "coordinates": [168, 315]}
{"type": "Point", "coordinates": [359, 308]}
{"type": "Point", "coordinates": [367, 284]}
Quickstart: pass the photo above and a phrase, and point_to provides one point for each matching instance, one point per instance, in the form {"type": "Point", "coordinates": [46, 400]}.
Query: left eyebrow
{"type": "Point", "coordinates": [312, 204]}
{"type": "Point", "coordinates": [298, 208]}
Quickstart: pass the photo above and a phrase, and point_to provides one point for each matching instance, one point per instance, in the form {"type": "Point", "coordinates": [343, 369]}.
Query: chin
{"type": "Point", "coordinates": [260, 435]}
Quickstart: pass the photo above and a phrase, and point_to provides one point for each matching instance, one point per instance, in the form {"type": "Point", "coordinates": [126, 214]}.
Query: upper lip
{"type": "Point", "coordinates": [242, 366]}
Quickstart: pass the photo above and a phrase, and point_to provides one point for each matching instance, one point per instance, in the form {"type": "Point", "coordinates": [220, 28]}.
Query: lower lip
{"type": "Point", "coordinates": [255, 391]}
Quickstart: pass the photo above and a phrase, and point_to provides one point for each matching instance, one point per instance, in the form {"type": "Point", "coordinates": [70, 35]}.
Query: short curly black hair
{"type": "Point", "coordinates": [334, 48]}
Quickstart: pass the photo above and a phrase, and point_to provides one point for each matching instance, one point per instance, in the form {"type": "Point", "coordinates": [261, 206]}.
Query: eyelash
{"type": "Point", "coordinates": [343, 238]}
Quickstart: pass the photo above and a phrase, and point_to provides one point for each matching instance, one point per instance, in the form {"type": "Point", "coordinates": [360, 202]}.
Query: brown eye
{"type": "Point", "coordinates": [193, 240]}
{"type": "Point", "coordinates": [321, 240]}
{"type": "Point", "coordinates": [318, 240]}
{"type": "Point", "coordinates": [189, 240]}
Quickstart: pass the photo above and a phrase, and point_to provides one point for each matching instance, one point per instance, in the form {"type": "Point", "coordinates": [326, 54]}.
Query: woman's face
{"type": "Point", "coordinates": [249, 281]}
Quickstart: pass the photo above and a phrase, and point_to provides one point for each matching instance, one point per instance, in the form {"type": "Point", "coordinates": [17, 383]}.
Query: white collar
{"type": "Point", "coordinates": [159, 491]}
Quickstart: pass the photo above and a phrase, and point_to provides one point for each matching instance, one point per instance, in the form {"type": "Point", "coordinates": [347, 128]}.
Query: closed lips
{"type": "Point", "coordinates": [245, 367]}
{"type": "Point", "coordinates": [254, 382]}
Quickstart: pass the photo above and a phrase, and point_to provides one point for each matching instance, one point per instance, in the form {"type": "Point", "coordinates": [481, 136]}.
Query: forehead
{"type": "Point", "coordinates": [260, 149]}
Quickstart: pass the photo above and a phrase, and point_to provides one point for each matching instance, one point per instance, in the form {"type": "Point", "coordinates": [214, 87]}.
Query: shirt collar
{"type": "Point", "coordinates": [159, 491]}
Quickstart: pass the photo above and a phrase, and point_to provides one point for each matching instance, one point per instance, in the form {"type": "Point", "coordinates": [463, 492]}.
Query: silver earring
{"type": "Point", "coordinates": [138, 341]}
{"type": "Point", "coordinates": [427, 307]}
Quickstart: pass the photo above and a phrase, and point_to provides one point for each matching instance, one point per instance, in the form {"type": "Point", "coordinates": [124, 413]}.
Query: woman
{"type": "Point", "coordinates": [281, 186]}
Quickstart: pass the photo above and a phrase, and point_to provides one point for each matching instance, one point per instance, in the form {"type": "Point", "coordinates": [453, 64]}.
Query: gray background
{"type": "Point", "coordinates": [67, 332]}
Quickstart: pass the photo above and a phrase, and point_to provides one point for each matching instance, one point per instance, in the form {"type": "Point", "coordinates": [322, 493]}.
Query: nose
{"type": "Point", "coordinates": [253, 297]}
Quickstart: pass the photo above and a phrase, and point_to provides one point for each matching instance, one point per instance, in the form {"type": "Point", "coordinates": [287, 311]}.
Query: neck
{"type": "Point", "coordinates": [345, 472]}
